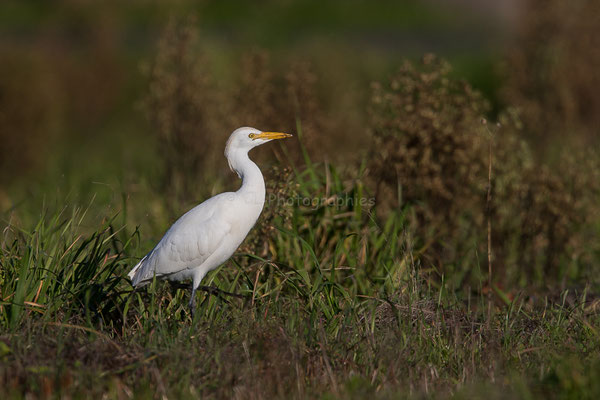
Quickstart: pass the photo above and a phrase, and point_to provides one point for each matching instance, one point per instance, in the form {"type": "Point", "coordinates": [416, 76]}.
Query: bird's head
{"type": "Point", "coordinates": [247, 138]}
{"type": "Point", "coordinates": [244, 139]}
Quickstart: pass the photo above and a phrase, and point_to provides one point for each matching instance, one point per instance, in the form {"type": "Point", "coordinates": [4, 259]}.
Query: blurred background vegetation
{"type": "Point", "coordinates": [134, 102]}
{"type": "Point", "coordinates": [74, 72]}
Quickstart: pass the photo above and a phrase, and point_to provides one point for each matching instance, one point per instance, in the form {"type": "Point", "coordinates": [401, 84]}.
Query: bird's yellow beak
{"type": "Point", "coordinates": [272, 135]}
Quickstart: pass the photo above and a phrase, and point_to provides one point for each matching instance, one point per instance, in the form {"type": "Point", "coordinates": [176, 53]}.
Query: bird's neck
{"type": "Point", "coordinates": [253, 184]}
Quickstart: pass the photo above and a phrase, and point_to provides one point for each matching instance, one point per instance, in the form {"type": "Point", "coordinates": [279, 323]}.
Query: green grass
{"type": "Point", "coordinates": [343, 309]}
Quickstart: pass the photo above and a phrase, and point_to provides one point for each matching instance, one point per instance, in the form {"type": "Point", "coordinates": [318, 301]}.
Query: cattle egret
{"type": "Point", "coordinates": [207, 235]}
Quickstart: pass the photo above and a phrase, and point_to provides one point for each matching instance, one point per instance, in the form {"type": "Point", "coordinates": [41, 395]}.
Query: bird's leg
{"type": "Point", "coordinates": [219, 292]}
{"type": "Point", "coordinates": [213, 291]}
{"type": "Point", "coordinates": [193, 301]}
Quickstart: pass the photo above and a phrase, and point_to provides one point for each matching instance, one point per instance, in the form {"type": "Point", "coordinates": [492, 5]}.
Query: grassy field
{"type": "Point", "coordinates": [409, 247]}
{"type": "Point", "coordinates": [342, 308]}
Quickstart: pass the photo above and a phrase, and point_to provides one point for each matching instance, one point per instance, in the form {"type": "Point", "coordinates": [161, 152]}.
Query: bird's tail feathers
{"type": "Point", "coordinates": [135, 274]}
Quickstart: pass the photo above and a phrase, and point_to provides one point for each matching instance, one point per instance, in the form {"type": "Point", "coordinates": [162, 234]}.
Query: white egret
{"type": "Point", "coordinates": [208, 234]}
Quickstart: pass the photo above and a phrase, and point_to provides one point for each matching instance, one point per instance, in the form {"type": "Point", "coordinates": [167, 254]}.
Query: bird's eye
{"type": "Point", "coordinates": [251, 136]}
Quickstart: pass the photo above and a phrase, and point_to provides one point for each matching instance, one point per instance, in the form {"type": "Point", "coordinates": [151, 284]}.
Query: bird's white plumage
{"type": "Point", "coordinates": [187, 244]}
{"type": "Point", "coordinates": [207, 235]}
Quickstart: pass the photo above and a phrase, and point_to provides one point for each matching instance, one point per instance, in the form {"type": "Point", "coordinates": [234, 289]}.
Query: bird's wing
{"type": "Point", "coordinates": [186, 245]}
